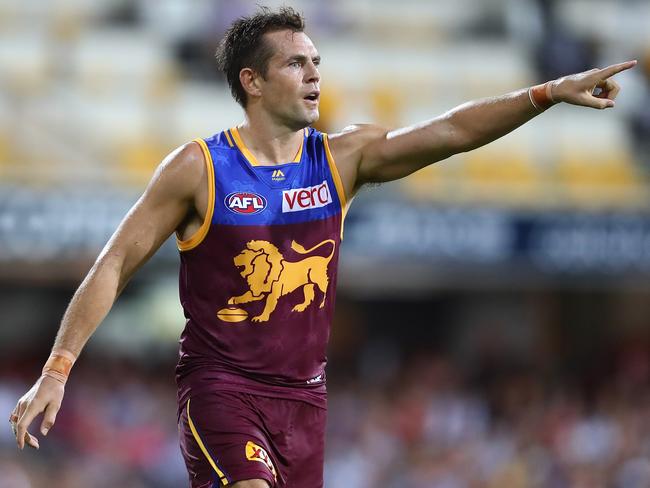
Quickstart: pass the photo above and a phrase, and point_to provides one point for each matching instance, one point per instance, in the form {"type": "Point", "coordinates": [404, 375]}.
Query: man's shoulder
{"type": "Point", "coordinates": [183, 170]}
{"type": "Point", "coordinates": [187, 157]}
{"type": "Point", "coordinates": [356, 136]}
{"type": "Point", "coordinates": [350, 141]}
{"type": "Point", "coordinates": [347, 147]}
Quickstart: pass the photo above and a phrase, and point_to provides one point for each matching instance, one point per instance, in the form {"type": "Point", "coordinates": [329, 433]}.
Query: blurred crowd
{"type": "Point", "coordinates": [116, 427]}
{"type": "Point", "coordinates": [433, 430]}
{"type": "Point", "coordinates": [429, 425]}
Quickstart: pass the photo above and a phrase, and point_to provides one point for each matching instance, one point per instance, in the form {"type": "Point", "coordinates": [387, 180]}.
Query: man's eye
{"type": "Point", "coordinates": [295, 64]}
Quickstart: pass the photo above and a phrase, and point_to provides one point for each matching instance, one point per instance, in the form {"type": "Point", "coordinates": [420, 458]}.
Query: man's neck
{"type": "Point", "coordinates": [270, 144]}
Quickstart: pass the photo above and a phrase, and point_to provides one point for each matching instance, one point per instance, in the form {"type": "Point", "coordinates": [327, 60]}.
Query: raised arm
{"type": "Point", "coordinates": [169, 202]}
{"type": "Point", "coordinates": [367, 154]}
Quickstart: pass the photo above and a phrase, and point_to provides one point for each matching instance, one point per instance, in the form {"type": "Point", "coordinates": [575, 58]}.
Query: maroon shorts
{"type": "Point", "coordinates": [227, 437]}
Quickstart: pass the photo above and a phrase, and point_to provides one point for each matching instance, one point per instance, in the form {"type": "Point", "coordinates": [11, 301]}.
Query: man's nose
{"type": "Point", "coordinates": [312, 75]}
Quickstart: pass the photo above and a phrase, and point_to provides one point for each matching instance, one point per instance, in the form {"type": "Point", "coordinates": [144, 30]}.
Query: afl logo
{"type": "Point", "coordinates": [246, 203]}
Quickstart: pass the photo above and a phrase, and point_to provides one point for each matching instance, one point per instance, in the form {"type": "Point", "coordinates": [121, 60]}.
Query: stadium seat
{"type": "Point", "coordinates": [113, 61]}
{"type": "Point", "coordinates": [502, 174]}
{"type": "Point", "coordinates": [26, 60]}
{"type": "Point", "coordinates": [607, 179]}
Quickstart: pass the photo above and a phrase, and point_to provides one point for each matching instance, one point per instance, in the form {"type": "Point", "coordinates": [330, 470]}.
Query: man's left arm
{"type": "Point", "coordinates": [369, 154]}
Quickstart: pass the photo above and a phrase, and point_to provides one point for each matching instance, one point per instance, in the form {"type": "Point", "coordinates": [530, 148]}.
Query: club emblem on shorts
{"type": "Point", "coordinates": [270, 276]}
{"type": "Point", "coordinates": [257, 453]}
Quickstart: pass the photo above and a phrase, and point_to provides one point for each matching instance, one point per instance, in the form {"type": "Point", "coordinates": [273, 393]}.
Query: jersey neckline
{"type": "Point", "coordinates": [250, 157]}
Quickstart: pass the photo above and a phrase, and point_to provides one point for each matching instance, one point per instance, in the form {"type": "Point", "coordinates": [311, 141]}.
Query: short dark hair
{"type": "Point", "coordinates": [243, 44]}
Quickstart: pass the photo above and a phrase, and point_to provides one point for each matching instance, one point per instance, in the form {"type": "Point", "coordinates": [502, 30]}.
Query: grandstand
{"type": "Point", "coordinates": [107, 89]}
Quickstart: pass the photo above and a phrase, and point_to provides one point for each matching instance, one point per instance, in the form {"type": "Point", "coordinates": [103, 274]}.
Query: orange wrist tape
{"type": "Point", "coordinates": [541, 96]}
{"type": "Point", "coordinates": [59, 364]}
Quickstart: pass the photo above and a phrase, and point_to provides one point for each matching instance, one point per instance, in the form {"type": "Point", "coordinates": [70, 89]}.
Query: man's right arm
{"type": "Point", "coordinates": [174, 195]}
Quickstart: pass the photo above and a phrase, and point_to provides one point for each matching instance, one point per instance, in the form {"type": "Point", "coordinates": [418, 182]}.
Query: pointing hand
{"type": "Point", "coordinates": [593, 88]}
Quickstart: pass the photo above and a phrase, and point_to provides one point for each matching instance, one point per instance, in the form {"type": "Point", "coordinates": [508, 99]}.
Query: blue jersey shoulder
{"type": "Point", "coordinates": [289, 192]}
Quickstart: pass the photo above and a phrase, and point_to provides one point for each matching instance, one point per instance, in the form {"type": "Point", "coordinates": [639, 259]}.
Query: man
{"type": "Point", "coordinates": [258, 212]}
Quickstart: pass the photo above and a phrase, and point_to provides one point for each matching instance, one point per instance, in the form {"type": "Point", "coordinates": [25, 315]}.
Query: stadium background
{"type": "Point", "coordinates": [492, 325]}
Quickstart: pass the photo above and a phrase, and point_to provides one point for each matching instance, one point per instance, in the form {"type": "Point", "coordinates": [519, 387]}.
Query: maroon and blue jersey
{"type": "Point", "coordinates": [258, 279]}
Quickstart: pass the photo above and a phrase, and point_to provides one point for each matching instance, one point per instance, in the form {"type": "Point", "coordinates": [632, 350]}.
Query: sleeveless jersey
{"type": "Point", "coordinates": [257, 280]}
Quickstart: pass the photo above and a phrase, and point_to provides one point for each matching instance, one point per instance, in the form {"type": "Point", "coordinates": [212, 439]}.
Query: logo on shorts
{"type": "Point", "coordinates": [316, 379]}
{"type": "Point", "coordinates": [259, 454]}
{"type": "Point", "coordinates": [246, 203]}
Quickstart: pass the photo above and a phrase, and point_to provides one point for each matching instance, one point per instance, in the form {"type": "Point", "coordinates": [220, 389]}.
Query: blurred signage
{"type": "Point", "coordinates": [550, 242]}
{"type": "Point", "coordinates": [67, 226]}
{"type": "Point", "coordinates": [58, 225]}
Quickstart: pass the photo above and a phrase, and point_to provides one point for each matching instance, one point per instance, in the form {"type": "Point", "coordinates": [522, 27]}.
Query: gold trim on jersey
{"type": "Point", "coordinates": [228, 138]}
{"type": "Point", "coordinates": [199, 235]}
{"type": "Point", "coordinates": [239, 142]}
{"type": "Point", "coordinates": [222, 476]}
{"type": "Point", "coordinates": [338, 183]}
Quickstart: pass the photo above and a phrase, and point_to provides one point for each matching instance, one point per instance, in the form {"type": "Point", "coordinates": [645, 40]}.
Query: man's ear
{"type": "Point", "coordinates": [251, 82]}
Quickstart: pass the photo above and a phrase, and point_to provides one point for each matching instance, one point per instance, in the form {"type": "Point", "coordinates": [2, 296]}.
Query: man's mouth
{"type": "Point", "coordinates": [313, 96]}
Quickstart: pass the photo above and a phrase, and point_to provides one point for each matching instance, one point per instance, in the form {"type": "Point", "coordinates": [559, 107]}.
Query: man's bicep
{"type": "Point", "coordinates": [165, 203]}
{"type": "Point", "coordinates": [400, 152]}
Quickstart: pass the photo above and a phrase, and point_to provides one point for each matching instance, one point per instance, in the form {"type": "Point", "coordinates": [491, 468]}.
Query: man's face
{"type": "Point", "coordinates": [291, 88]}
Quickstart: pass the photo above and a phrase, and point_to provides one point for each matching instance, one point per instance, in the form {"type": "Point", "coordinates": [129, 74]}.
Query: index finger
{"type": "Point", "coordinates": [616, 68]}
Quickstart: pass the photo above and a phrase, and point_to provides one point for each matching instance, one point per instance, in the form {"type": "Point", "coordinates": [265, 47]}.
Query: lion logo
{"type": "Point", "coordinates": [270, 276]}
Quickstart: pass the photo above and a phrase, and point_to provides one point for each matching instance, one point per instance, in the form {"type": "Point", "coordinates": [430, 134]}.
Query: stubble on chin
{"type": "Point", "coordinates": [314, 117]}
{"type": "Point", "coordinates": [305, 119]}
